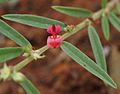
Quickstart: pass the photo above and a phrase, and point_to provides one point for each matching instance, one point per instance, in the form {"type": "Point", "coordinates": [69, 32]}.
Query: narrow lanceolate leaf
{"type": "Point", "coordinates": [97, 48]}
{"type": "Point", "coordinates": [25, 83]}
{"type": "Point", "coordinates": [115, 21]}
{"type": "Point", "coordinates": [105, 27]}
{"type": "Point", "coordinates": [87, 63]}
{"type": "Point", "coordinates": [32, 20]}
{"type": "Point", "coordinates": [11, 33]}
{"type": "Point", "coordinates": [28, 86]}
{"type": "Point", "coordinates": [10, 53]}
{"type": "Point", "coordinates": [72, 11]}
{"type": "Point", "coordinates": [104, 3]}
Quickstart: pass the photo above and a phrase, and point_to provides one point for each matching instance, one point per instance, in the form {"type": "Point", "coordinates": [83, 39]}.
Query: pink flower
{"type": "Point", "coordinates": [54, 42]}
{"type": "Point", "coordinates": [54, 29]}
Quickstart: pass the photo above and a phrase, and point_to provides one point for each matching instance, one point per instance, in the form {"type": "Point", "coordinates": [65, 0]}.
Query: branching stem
{"type": "Point", "coordinates": [77, 28]}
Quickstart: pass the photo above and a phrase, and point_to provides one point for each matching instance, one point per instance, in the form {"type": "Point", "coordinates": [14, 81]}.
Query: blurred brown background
{"type": "Point", "coordinates": [57, 73]}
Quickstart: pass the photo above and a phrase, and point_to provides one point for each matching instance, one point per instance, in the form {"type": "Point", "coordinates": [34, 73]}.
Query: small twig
{"type": "Point", "coordinates": [111, 5]}
{"type": "Point", "coordinates": [26, 61]}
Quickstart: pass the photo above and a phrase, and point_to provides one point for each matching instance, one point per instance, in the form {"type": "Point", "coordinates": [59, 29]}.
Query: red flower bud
{"type": "Point", "coordinates": [54, 29]}
{"type": "Point", "coordinates": [54, 42]}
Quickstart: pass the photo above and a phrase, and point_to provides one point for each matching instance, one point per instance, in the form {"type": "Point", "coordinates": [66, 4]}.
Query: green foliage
{"type": "Point", "coordinates": [25, 83]}
{"type": "Point", "coordinates": [28, 86]}
{"type": "Point", "coordinates": [87, 63]}
{"type": "Point", "coordinates": [72, 11]}
{"type": "Point", "coordinates": [4, 1]}
{"type": "Point", "coordinates": [11, 33]}
{"type": "Point", "coordinates": [105, 27]}
{"type": "Point", "coordinates": [98, 68]}
{"type": "Point", "coordinates": [9, 53]}
{"type": "Point", "coordinates": [32, 20]}
{"type": "Point", "coordinates": [97, 48]}
{"type": "Point", "coordinates": [104, 3]}
{"type": "Point", "coordinates": [118, 7]}
{"type": "Point", "coordinates": [115, 21]}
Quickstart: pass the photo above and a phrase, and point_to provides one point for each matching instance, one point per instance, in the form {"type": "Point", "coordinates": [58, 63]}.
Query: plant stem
{"type": "Point", "coordinates": [80, 26]}
{"type": "Point", "coordinates": [23, 63]}
{"type": "Point", "coordinates": [26, 61]}
{"type": "Point", "coordinates": [97, 15]}
{"type": "Point", "coordinates": [42, 50]}
{"type": "Point", "coordinates": [76, 29]}
{"type": "Point", "coordinates": [111, 5]}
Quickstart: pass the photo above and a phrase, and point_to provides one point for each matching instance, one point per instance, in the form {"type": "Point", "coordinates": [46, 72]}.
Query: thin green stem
{"type": "Point", "coordinates": [23, 63]}
{"type": "Point", "coordinates": [42, 50]}
{"type": "Point", "coordinates": [97, 15]}
{"type": "Point", "coordinates": [26, 61]}
{"type": "Point", "coordinates": [111, 5]}
{"type": "Point", "coordinates": [76, 29]}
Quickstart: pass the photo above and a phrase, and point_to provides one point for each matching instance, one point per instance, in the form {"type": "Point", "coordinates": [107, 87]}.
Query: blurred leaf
{"type": "Point", "coordinates": [114, 63]}
{"type": "Point", "coordinates": [28, 86]}
{"type": "Point", "coordinates": [4, 1]}
{"type": "Point", "coordinates": [72, 11]}
{"type": "Point", "coordinates": [115, 21]}
{"type": "Point", "coordinates": [97, 48]}
{"type": "Point", "coordinates": [105, 27]}
{"type": "Point", "coordinates": [104, 3]}
{"type": "Point", "coordinates": [87, 63]}
{"type": "Point", "coordinates": [32, 20]}
{"type": "Point", "coordinates": [25, 83]}
{"type": "Point", "coordinates": [118, 8]}
{"type": "Point", "coordinates": [11, 33]}
{"type": "Point", "coordinates": [10, 53]}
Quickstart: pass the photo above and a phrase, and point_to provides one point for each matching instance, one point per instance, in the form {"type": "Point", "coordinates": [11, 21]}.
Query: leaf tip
{"type": "Point", "coordinates": [54, 7]}
{"type": "Point", "coordinates": [115, 86]}
{"type": "Point", "coordinates": [3, 16]}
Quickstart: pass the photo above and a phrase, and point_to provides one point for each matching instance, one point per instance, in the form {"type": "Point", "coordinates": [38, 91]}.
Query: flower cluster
{"type": "Point", "coordinates": [55, 40]}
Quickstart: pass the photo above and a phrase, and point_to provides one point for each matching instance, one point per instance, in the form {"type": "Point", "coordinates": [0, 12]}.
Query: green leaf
{"type": "Point", "coordinates": [25, 83]}
{"type": "Point", "coordinates": [72, 11]}
{"type": "Point", "coordinates": [32, 20]}
{"type": "Point", "coordinates": [11, 33]}
{"type": "Point", "coordinates": [105, 27]}
{"type": "Point", "coordinates": [28, 86]}
{"type": "Point", "coordinates": [87, 63]}
{"type": "Point", "coordinates": [4, 1]}
{"type": "Point", "coordinates": [97, 48]}
{"type": "Point", "coordinates": [104, 3]}
{"type": "Point", "coordinates": [115, 21]}
{"type": "Point", "coordinates": [10, 53]}
{"type": "Point", "coordinates": [118, 8]}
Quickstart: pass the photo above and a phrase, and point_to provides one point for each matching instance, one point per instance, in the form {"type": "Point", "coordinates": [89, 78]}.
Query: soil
{"type": "Point", "coordinates": [56, 73]}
